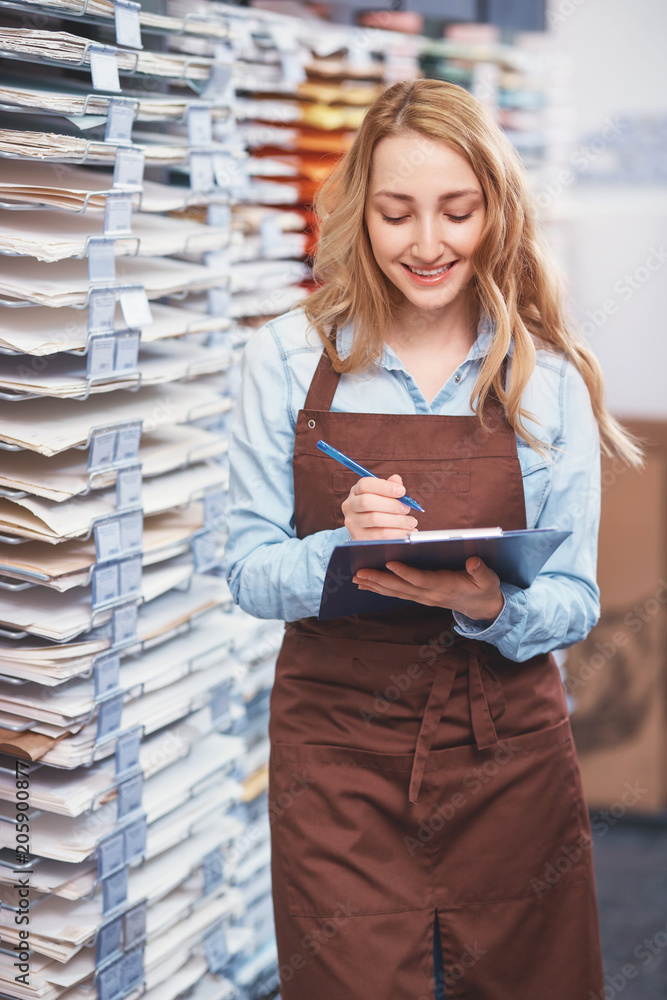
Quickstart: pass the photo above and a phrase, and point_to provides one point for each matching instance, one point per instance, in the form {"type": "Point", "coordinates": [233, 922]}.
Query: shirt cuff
{"type": "Point", "coordinates": [513, 611]}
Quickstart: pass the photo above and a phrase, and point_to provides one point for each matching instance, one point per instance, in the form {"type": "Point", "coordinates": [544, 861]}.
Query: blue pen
{"type": "Point", "coordinates": [344, 460]}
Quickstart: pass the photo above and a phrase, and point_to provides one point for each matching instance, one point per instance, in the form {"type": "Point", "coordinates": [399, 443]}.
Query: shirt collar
{"type": "Point", "coordinates": [390, 360]}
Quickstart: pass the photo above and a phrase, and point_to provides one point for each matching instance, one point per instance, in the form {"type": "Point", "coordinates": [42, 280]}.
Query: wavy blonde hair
{"type": "Point", "coordinates": [514, 280]}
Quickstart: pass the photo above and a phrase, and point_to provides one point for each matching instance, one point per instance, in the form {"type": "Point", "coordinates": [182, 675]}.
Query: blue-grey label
{"type": "Point", "coordinates": [109, 982]}
{"type": "Point", "coordinates": [135, 925]}
{"type": "Point", "coordinates": [106, 673]}
{"type": "Point", "coordinates": [212, 870]}
{"type": "Point", "coordinates": [114, 891]}
{"type": "Point", "coordinates": [215, 949]}
{"type": "Point", "coordinates": [124, 624]}
{"type": "Point", "coordinates": [109, 715]}
{"type": "Point", "coordinates": [127, 752]}
{"type": "Point", "coordinates": [135, 839]}
{"type": "Point", "coordinates": [128, 796]}
{"type": "Point", "coordinates": [132, 974]}
{"type": "Point", "coordinates": [110, 855]}
{"type": "Point", "coordinates": [108, 940]}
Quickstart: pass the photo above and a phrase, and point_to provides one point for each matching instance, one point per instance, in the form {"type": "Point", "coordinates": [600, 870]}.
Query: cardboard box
{"type": "Point", "coordinates": [617, 677]}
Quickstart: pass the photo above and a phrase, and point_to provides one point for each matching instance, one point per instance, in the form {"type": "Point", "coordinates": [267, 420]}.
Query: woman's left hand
{"type": "Point", "coordinates": [474, 592]}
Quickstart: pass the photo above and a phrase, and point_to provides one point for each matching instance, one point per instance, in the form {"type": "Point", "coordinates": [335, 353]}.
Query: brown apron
{"type": "Point", "coordinates": [414, 772]}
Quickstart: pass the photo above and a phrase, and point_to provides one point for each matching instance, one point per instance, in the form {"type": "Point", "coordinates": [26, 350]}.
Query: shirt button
{"type": "Point", "coordinates": [457, 378]}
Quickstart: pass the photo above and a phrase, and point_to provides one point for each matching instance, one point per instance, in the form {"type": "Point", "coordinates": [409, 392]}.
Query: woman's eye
{"type": "Point", "coordinates": [452, 218]}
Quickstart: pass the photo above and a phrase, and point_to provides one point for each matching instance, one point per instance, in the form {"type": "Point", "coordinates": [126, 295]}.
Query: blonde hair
{"type": "Point", "coordinates": [514, 280]}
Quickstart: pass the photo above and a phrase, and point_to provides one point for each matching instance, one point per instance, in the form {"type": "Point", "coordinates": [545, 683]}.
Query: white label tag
{"type": "Point", "coordinates": [218, 81]}
{"type": "Point", "coordinates": [124, 624]}
{"type": "Point", "coordinates": [128, 26]}
{"type": "Point", "coordinates": [120, 120]}
{"type": "Point", "coordinates": [226, 169]}
{"type": "Point", "coordinates": [270, 233]}
{"type": "Point", "coordinates": [101, 309]}
{"type": "Point", "coordinates": [292, 66]}
{"type": "Point", "coordinates": [127, 351]}
{"type": "Point", "coordinates": [201, 172]}
{"type": "Point", "coordinates": [101, 350]}
{"type": "Point", "coordinates": [108, 544]}
{"type": "Point", "coordinates": [219, 216]}
{"type": "Point", "coordinates": [219, 301]}
{"type": "Point", "coordinates": [128, 487]}
{"type": "Point", "coordinates": [118, 215]}
{"type": "Point", "coordinates": [130, 577]}
{"type": "Point", "coordinates": [131, 533]}
{"type": "Point", "coordinates": [127, 445]}
{"type": "Point", "coordinates": [135, 306]}
{"type": "Point", "coordinates": [105, 584]}
{"type": "Point", "coordinates": [102, 449]}
{"type": "Point", "coordinates": [101, 261]}
{"type": "Point", "coordinates": [103, 68]}
{"type": "Point", "coordinates": [200, 129]}
{"type": "Point", "coordinates": [129, 167]}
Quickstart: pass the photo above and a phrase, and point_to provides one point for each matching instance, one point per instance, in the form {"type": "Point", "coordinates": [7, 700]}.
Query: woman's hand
{"type": "Point", "coordinates": [474, 592]}
{"type": "Point", "coordinates": [373, 510]}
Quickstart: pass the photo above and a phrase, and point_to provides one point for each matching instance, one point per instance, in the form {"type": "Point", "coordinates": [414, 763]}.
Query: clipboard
{"type": "Point", "coordinates": [516, 556]}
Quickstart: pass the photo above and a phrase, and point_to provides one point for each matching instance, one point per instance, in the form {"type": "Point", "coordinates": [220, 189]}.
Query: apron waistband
{"type": "Point", "coordinates": [463, 656]}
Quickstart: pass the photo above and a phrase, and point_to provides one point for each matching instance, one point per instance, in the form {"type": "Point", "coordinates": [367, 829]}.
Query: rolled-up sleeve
{"type": "Point", "coordinates": [271, 572]}
{"type": "Point", "coordinates": [562, 604]}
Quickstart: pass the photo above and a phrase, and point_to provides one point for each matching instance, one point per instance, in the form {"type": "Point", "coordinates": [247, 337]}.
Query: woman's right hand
{"type": "Point", "coordinates": [373, 510]}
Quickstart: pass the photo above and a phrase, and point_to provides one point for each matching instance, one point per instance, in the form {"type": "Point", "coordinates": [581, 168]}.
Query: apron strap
{"type": "Point", "coordinates": [437, 699]}
{"type": "Point", "coordinates": [480, 712]}
{"type": "Point", "coordinates": [323, 385]}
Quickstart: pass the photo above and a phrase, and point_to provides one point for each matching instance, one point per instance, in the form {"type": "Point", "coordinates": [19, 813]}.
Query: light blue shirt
{"type": "Point", "coordinates": [274, 574]}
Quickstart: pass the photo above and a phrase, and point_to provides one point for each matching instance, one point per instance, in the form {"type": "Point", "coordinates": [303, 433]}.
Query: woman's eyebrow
{"type": "Point", "coordinates": [443, 197]}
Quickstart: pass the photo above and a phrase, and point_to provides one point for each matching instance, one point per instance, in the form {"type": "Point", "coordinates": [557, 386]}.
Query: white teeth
{"type": "Point", "coordinates": [430, 274]}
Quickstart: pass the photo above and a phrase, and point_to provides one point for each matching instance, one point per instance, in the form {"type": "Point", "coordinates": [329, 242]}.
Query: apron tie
{"type": "Point", "coordinates": [480, 713]}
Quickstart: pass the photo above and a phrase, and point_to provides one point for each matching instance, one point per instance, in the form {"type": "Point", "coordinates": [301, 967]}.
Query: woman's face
{"type": "Point", "coordinates": [424, 211]}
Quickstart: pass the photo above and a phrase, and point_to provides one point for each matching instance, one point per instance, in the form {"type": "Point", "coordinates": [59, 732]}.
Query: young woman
{"type": "Point", "coordinates": [429, 832]}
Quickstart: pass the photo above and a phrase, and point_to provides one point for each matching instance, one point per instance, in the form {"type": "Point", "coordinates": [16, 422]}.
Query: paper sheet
{"type": "Point", "coordinates": [63, 476]}
{"type": "Point", "coordinates": [45, 520]}
{"type": "Point", "coordinates": [32, 424]}
{"type": "Point", "coordinates": [54, 236]}
{"type": "Point", "coordinates": [165, 617]}
{"type": "Point", "coordinates": [40, 330]}
{"type": "Point", "coordinates": [64, 376]}
{"type": "Point", "coordinates": [72, 188]}
{"type": "Point", "coordinates": [63, 46]}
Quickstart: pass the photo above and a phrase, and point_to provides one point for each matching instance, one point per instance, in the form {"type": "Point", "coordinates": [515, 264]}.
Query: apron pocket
{"type": "Point", "coordinates": [339, 819]}
{"type": "Point", "coordinates": [521, 828]}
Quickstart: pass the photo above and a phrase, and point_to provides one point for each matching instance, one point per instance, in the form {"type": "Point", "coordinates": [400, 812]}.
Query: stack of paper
{"type": "Point", "coordinates": [40, 330]}
{"type": "Point", "coordinates": [64, 47]}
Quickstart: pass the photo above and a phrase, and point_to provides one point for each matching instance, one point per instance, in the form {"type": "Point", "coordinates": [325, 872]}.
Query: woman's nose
{"type": "Point", "coordinates": [429, 242]}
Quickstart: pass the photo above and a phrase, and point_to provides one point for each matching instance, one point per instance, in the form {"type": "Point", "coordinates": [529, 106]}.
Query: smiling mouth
{"type": "Point", "coordinates": [433, 272]}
